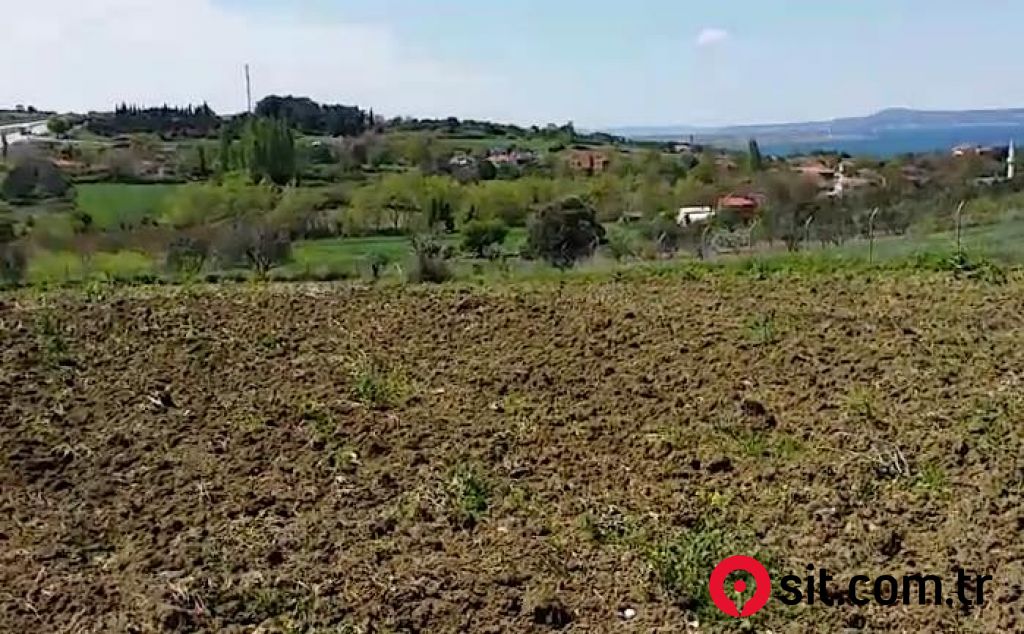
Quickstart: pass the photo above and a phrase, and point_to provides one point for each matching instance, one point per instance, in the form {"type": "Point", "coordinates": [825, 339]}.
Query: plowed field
{"type": "Point", "coordinates": [571, 456]}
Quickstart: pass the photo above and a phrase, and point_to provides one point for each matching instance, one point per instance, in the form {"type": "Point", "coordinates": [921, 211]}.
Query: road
{"type": "Point", "coordinates": [14, 130]}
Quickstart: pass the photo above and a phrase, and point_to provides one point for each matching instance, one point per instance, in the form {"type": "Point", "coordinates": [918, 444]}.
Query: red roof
{"type": "Point", "coordinates": [737, 202]}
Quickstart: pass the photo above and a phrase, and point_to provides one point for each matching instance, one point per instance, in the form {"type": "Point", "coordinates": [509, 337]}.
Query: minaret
{"type": "Point", "coordinates": [1011, 162]}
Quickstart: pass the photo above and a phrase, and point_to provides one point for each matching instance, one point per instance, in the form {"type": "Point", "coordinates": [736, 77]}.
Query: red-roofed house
{"type": "Point", "coordinates": [746, 206]}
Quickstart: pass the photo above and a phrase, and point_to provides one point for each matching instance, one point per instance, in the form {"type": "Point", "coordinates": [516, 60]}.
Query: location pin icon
{"type": "Point", "coordinates": [762, 591]}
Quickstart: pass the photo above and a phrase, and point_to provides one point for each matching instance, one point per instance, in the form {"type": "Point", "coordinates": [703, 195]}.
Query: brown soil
{"type": "Point", "coordinates": [533, 458]}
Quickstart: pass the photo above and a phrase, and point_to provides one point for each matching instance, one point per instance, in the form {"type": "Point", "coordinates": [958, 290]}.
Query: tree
{"type": "Point", "coordinates": [225, 162]}
{"type": "Point", "coordinates": [480, 236]}
{"type": "Point", "coordinates": [705, 171]}
{"type": "Point", "coordinates": [755, 161]}
{"type": "Point", "coordinates": [269, 150]}
{"type": "Point", "coordinates": [122, 165]}
{"type": "Point", "coordinates": [58, 125]}
{"type": "Point", "coordinates": [564, 232]}
{"type": "Point", "coordinates": [203, 169]}
{"type": "Point", "coordinates": [792, 202]}
{"type": "Point", "coordinates": [486, 170]}
{"type": "Point", "coordinates": [432, 257]}
{"type": "Point", "coordinates": [622, 243]}
{"type": "Point", "coordinates": [313, 118]}
{"type": "Point", "coordinates": [442, 216]}
{"type": "Point", "coordinates": [378, 261]}
{"type": "Point", "coordinates": [255, 244]}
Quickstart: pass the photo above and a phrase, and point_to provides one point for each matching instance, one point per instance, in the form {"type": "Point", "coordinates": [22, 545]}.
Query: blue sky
{"type": "Point", "coordinates": [645, 62]}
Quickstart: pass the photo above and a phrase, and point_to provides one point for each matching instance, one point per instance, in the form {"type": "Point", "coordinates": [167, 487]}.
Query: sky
{"type": "Point", "coordinates": [597, 63]}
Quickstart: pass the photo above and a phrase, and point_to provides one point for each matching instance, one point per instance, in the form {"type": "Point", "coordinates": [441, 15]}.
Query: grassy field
{"type": "Point", "coordinates": [62, 267]}
{"type": "Point", "coordinates": [350, 254]}
{"type": "Point", "coordinates": [110, 204]}
{"type": "Point", "coordinates": [999, 242]}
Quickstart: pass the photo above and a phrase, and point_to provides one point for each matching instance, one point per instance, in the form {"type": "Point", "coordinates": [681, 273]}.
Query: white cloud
{"type": "Point", "coordinates": [91, 54]}
{"type": "Point", "coordinates": [711, 36]}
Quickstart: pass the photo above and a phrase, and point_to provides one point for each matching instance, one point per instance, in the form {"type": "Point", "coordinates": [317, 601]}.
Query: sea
{"type": "Point", "coordinates": [893, 142]}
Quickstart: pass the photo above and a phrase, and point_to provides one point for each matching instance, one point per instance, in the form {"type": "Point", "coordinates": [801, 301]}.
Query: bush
{"type": "Point", "coordinates": [564, 232]}
{"type": "Point", "coordinates": [34, 179]}
{"type": "Point", "coordinates": [479, 235]}
{"type": "Point", "coordinates": [378, 261]}
{"type": "Point", "coordinates": [622, 244]}
{"type": "Point", "coordinates": [431, 263]}
{"type": "Point", "coordinates": [257, 246]}
{"type": "Point", "coordinates": [186, 256]}
{"type": "Point", "coordinates": [199, 203]}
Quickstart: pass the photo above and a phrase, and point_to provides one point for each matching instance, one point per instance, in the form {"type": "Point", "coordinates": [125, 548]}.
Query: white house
{"type": "Point", "coordinates": [694, 215]}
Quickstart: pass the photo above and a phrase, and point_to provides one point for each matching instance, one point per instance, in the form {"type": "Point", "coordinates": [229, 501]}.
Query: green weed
{"type": "Point", "coordinates": [610, 526]}
{"type": "Point", "coordinates": [761, 330]}
{"type": "Point", "coordinates": [377, 387]}
{"type": "Point", "coordinates": [51, 338]}
{"type": "Point", "coordinates": [469, 495]}
{"type": "Point", "coordinates": [683, 565]}
{"type": "Point", "coordinates": [931, 477]}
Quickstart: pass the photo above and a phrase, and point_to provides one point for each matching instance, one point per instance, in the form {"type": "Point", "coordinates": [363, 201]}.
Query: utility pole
{"type": "Point", "coordinates": [248, 90]}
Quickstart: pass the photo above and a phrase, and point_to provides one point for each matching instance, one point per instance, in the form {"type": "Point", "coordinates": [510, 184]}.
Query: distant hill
{"type": "Point", "coordinates": [890, 131]}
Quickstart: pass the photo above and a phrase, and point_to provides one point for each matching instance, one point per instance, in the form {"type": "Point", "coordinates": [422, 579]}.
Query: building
{"type": "Point", "coordinates": [589, 161]}
{"type": "Point", "coordinates": [511, 156]}
{"type": "Point", "coordinates": [822, 175]}
{"type": "Point", "coordinates": [694, 215]}
{"type": "Point", "coordinates": [746, 206]}
{"type": "Point", "coordinates": [1011, 162]}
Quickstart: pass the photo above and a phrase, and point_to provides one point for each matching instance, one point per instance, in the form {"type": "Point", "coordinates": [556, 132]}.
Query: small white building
{"type": "Point", "coordinates": [694, 215]}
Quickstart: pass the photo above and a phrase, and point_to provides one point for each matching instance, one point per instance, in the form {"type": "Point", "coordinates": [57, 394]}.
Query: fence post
{"type": "Point", "coordinates": [750, 235]}
{"type": "Point", "coordinates": [871, 234]}
{"type": "Point", "coordinates": [959, 228]}
{"type": "Point", "coordinates": [807, 230]}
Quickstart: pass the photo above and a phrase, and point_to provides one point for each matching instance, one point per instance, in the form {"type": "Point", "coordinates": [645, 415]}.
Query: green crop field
{"type": "Point", "coordinates": [110, 204]}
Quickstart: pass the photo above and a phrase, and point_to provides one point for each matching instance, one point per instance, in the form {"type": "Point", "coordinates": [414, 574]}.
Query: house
{"type": "Point", "coordinates": [694, 215]}
{"type": "Point", "coordinates": [746, 205]}
{"type": "Point", "coordinates": [589, 161]}
{"type": "Point", "coordinates": [822, 175]}
{"type": "Point", "coordinates": [973, 150]}
{"type": "Point", "coordinates": [461, 160]}
{"type": "Point", "coordinates": [512, 156]}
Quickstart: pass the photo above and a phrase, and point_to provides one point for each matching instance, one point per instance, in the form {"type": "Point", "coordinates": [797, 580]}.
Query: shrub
{"type": "Point", "coordinates": [669, 237]}
{"type": "Point", "coordinates": [480, 235]}
{"type": "Point", "coordinates": [199, 203]}
{"type": "Point", "coordinates": [33, 179]}
{"type": "Point", "coordinates": [186, 256]}
{"type": "Point", "coordinates": [564, 232]}
{"type": "Point", "coordinates": [431, 264]}
{"type": "Point", "coordinates": [298, 211]}
{"type": "Point", "coordinates": [13, 263]}
{"type": "Point", "coordinates": [378, 261]}
{"type": "Point", "coordinates": [622, 244]}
